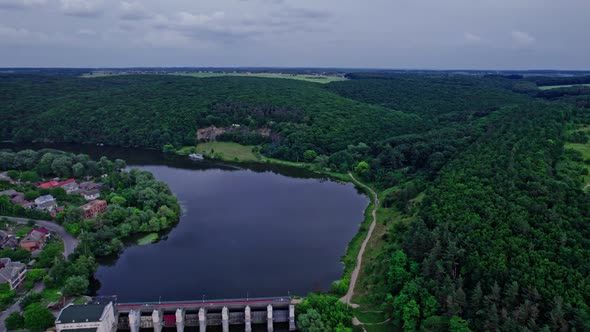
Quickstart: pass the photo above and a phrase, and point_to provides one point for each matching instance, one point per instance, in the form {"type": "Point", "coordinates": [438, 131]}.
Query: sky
{"type": "Point", "coordinates": [400, 34]}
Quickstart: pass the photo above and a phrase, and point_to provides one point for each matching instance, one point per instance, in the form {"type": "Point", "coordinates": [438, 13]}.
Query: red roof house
{"type": "Point", "coordinates": [49, 185]}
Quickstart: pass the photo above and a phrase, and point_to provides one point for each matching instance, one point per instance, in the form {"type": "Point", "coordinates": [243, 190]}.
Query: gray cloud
{"type": "Point", "coordinates": [82, 8]}
{"type": "Point", "coordinates": [523, 38]}
{"type": "Point", "coordinates": [134, 11]}
{"type": "Point", "coordinates": [335, 33]}
{"type": "Point", "coordinates": [20, 4]}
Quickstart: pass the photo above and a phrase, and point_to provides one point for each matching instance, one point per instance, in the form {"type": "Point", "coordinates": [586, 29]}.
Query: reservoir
{"type": "Point", "coordinates": [245, 231]}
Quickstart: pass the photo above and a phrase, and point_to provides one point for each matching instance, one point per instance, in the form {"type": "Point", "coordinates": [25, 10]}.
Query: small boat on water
{"type": "Point", "coordinates": [196, 156]}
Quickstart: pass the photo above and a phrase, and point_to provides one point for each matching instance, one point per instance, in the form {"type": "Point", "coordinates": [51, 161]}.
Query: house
{"type": "Point", "coordinates": [92, 209]}
{"type": "Point", "coordinates": [35, 240]}
{"type": "Point", "coordinates": [49, 185]}
{"type": "Point", "coordinates": [4, 177]}
{"type": "Point", "coordinates": [87, 317]}
{"type": "Point", "coordinates": [69, 185]}
{"type": "Point", "coordinates": [14, 196]}
{"type": "Point", "coordinates": [91, 195]}
{"type": "Point", "coordinates": [7, 241]}
{"type": "Point", "coordinates": [27, 204]}
{"type": "Point", "coordinates": [12, 273]}
{"type": "Point", "coordinates": [46, 203]}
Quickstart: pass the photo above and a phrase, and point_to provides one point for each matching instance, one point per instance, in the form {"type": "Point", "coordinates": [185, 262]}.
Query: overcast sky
{"type": "Point", "coordinates": [434, 34]}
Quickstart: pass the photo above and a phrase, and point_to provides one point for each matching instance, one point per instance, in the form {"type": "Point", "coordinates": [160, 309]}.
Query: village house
{"type": "Point", "coordinates": [4, 177]}
{"type": "Point", "coordinates": [91, 195]}
{"type": "Point", "coordinates": [46, 203]}
{"type": "Point", "coordinates": [69, 185]}
{"type": "Point", "coordinates": [12, 273]}
{"type": "Point", "coordinates": [7, 241]}
{"type": "Point", "coordinates": [87, 317]}
{"type": "Point", "coordinates": [35, 240]}
{"type": "Point", "coordinates": [15, 196]}
{"type": "Point", "coordinates": [93, 208]}
{"type": "Point", "coordinates": [27, 204]}
{"type": "Point", "coordinates": [49, 185]}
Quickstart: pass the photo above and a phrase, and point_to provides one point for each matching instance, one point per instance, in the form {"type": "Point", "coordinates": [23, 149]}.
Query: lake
{"type": "Point", "coordinates": [245, 231]}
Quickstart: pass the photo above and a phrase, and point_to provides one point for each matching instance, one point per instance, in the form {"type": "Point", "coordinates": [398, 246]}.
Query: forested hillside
{"type": "Point", "coordinates": [151, 111]}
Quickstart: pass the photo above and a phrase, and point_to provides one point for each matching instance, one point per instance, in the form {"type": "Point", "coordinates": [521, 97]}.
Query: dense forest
{"type": "Point", "coordinates": [496, 230]}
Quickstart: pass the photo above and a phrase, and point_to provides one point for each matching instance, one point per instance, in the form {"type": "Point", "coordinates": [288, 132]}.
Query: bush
{"type": "Point", "coordinates": [38, 318]}
{"type": "Point", "coordinates": [30, 299]}
{"type": "Point", "coordinates": [15, 321]}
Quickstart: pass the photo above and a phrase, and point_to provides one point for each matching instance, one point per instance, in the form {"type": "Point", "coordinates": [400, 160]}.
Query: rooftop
{"type": "Point", "coordinates": [81, 313]}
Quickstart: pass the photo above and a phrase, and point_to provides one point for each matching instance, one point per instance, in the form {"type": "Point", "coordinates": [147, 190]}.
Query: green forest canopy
{"type": "Point", "coordinates": [501, 238]}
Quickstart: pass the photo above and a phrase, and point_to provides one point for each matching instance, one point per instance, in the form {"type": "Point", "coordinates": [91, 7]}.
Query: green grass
{"type": "Point", "coordinates": [301, 77]}
{"type": "Point", "coordinates": [186, 150]}
{"type": "Point", "coordinates": [228, 151]}
{"type": "Point", "coordinates": [149, 238]}
{"type": "Point", "coordinates": [549, 87]}
{"type": "Point", "coordinates": [51, 295]}
{"type": "Point", "coordinates": [584, 149]}
{"type": "Point", "coordinates": [22, 230]}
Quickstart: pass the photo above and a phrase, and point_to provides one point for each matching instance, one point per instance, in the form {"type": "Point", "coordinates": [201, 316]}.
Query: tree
{"type": "Point", "coordinates": [309, 155]}
{"type": "Point", "coordinates": [458, 324]}
{"type": "Point", "coordinates": [15, 321]}
{"type": "Point", "coordinates": [38, 318]}
{"type": "Point", "coordinates": [311, 322]}
{"type": "Point", "coordinates": [362, 168]}
{"type": "Point", "coordinates": [169, 148]}
{"type": "Point", "coordinates": [76, 285]}
{"type": "Point", "coordinates": [78, 170]}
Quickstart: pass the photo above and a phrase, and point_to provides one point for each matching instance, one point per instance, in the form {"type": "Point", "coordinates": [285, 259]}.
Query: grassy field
{"type": "Point", "coordinates": [149, 238]}
{"type": "Point", "coordinates": [584, 149]}
{"type": "Point", "coordinates": [228, 151]}
{"type": "Point", "coordinates": [301, 77]}
{"type": "Point", "coordinates": [549, 87]}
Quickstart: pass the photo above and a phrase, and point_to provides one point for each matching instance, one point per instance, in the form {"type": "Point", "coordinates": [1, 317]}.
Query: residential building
{"type": "Point", "coordinates": [87, 317]}
{"type": "Point", "coordinates": [4, 177]}
{"type": "Point", "coordinates": [13, 273]}
{"type": "Point", "coordinates": [27, 204]}
{"type": "Point", "coordinates": [49, 185]}
{"type": "Point", "coordinates": [35, 240]}
{"type": "Point", "coordinates": [7, 241]}
{"type": "Point", "coordinates": [46, 203]}
{"type": "Point", "coordinates": [69, 185]}
{"type": "Point", "coordinates": [93, 208]}
{"type": "Point", "coordinates": [91, 195]}
{"type": "Point", "coordinates": [14, 196]}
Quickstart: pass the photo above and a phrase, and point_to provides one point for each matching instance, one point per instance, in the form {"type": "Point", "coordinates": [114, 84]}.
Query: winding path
{"type": "Point", "coordinates": [70, 242]}
{"type": "Point", "coordinates": [359, 259]}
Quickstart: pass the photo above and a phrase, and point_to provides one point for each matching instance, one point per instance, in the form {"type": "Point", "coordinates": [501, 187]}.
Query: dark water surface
{"type": "Point", "coordinates": [246, 230]}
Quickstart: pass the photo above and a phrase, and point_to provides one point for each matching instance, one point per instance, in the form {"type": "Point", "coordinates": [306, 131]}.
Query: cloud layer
{"type": "Point", "coordinates": [331, 33]}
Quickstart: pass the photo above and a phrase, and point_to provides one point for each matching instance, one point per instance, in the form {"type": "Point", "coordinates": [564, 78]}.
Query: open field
{"type": "Point", "coordinates": [584, 149]}
{"type": "Point", "coordinates": [227, 151]}
{"type": "Point", "coordinates": [301, 77]}
{"type": "Point", "coordinates": [549, 87]}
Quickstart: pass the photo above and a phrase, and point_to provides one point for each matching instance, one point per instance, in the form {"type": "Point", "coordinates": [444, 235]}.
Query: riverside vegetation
{"type": "Point", "coordinates": [484, 222]}
{"type": "Point", "coordinates": [137, 204]}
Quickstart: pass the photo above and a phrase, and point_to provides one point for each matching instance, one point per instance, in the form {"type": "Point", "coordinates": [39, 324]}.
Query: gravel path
{"type": "Point", "coordinates": [359, 259]}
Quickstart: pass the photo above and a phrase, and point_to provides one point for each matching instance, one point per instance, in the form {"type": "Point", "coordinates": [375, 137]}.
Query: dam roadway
{"type": "Point", "coordinates": [204, 313]}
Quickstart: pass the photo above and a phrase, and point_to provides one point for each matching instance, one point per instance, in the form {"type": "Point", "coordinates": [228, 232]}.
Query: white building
{"type": "Point", "coordinates": [87, 317]}
{"type": "Point", "coordinates": [13, 273]}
